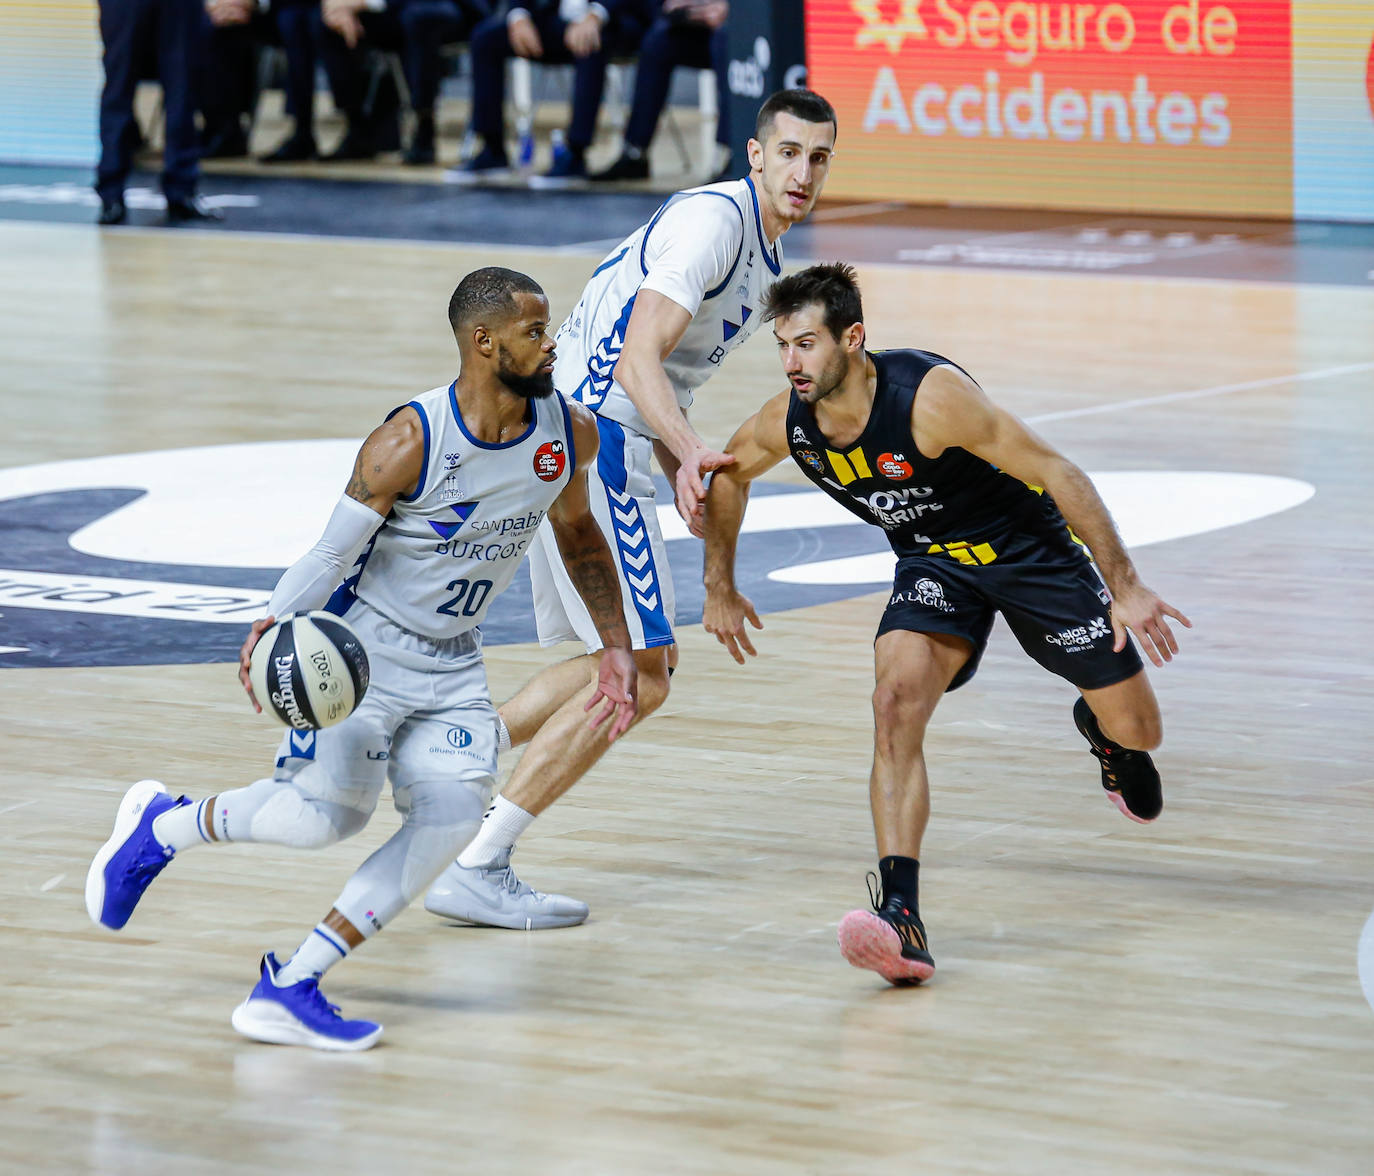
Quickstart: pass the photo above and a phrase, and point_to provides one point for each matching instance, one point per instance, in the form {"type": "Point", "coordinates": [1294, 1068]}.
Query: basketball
{"type": "Point", "coordinates": [309, 670]}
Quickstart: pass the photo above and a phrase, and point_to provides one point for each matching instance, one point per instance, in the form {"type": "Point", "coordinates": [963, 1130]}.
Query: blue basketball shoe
{"type": "Point", "coordinates": [128, 862]}
{"type": "Point", "coordinates": [298, 1014]}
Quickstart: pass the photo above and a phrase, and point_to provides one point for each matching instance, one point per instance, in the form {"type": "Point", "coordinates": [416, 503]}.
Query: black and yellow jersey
{"type": "Point", "coordinates": [952, 504]}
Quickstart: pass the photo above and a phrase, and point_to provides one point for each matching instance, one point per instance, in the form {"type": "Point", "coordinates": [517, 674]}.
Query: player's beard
{"type": "Point", "coordinates": [826, 381]}
{"type": "Point", "coordinates": [535, 386]}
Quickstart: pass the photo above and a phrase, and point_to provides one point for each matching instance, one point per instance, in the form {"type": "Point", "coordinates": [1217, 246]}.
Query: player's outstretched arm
{"type": "Point", "coordinates": [656, 326]}
{"type": "Point", "coordinates": [952, 410]}
{"type": "Point", "coordinates": [591, 568]}
{"type": "Point", "coordinates": [388, 465]}
{"type": "Point", "coordinates": [758, 445]}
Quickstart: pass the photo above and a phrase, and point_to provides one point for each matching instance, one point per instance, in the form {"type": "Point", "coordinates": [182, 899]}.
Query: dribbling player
{"type": "Point", "coordinates": [970, 500]}
{"type": "Point", "coordinates": [445, 499]}
{"type": "Point", "coordinates": [655, 321]}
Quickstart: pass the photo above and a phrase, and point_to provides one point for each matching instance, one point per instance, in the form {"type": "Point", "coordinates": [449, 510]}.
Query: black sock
{"type": "Point", "coordinates": [899, 878]}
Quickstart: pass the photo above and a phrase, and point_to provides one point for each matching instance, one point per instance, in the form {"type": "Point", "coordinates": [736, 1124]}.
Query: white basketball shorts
{"type": "Point", "coordinates": [427, 716]}
{"type": "Point", "coordinates": [621, 489]}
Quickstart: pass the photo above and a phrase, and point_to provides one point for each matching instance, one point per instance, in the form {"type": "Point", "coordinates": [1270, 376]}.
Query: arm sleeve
{"type": "Point", "coordinates": [310, 581]}
{"type": "Point", "coordinates": [692, 248]}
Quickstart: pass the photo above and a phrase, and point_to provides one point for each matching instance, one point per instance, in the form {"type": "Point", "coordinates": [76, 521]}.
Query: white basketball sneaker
{"type": "Point", "coordinates": [492, 896]}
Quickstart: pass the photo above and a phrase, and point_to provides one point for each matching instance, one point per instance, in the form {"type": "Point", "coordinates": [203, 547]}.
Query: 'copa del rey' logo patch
{"type": "Point", "coordinates": [549, 460]}
{"type": "Point", "coordinates": [894, 466]}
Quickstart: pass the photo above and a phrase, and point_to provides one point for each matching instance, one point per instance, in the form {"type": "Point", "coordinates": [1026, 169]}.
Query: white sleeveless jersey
{"type": "Point", "coordinates": [705, 249]}
{"type": "Point", "coordinates": [445, 553]}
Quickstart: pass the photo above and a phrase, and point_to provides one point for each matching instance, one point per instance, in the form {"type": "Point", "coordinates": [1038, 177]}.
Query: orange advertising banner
{"type": "Point", "coordinates": [1171, 106]}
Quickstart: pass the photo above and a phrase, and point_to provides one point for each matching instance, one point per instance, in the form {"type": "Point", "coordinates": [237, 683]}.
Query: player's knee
{"type": "Point", "coordinates": [899, 707]}
{"type": "Point", "coordinates": [289, 817]}
{"type": "Point", "coordinates": [439, 818]}
{"type": "Point", "coordinates": [654, 685]}
{"type": "Point", "coordinates": [1140, 732]}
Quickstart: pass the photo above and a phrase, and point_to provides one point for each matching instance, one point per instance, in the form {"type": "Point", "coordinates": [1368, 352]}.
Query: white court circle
{"type": "Point", "coordinates": [1364, 959]}
{"type": "Point", "coordinates": [262, 505]}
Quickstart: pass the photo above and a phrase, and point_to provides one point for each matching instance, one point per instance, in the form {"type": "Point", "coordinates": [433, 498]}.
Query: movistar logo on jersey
{"type": "Point", "coordinates": [446, 530]}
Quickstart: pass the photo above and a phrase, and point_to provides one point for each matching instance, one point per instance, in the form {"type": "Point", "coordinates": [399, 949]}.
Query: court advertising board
{"type": "Point", "coordinates": [1245, 107]}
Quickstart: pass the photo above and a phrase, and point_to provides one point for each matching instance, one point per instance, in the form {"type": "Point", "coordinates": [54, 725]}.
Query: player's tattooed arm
{"type": "Point", "coordinates": [390, 462]}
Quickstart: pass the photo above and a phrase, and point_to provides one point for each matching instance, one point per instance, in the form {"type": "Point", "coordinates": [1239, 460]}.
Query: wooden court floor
{"type": "Point", "coordinates": [1111, 998]}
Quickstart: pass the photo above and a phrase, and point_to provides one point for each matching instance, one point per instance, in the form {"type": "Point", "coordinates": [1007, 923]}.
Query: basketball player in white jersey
{"type": "Point", "coordinates": [445, 499]}
{"type": "Point", "coordinates": [655, 321]}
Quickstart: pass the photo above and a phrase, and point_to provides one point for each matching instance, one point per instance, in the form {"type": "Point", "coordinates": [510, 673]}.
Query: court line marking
{"type": "Point", "coordinates": [1199, 393]}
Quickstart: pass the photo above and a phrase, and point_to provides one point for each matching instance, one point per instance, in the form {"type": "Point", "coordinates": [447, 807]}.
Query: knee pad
{"type": "Point", "coordinates": [442, 817]}
{"type": "Point", "coordinates": [308, 811]}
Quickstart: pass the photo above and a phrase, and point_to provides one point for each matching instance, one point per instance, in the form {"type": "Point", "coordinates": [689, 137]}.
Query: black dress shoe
{"type": "Point", "coordinates": [180, 212]}
{"type": "Point", "coordinates": [230, 144]}
{"type": "Point", "coordinates": [624, 168]}
{"type": "Point", "coordinates": [357, 144]}
{"type": "Point", "coordinates": [112, 212]}
{"type": "Point", "coordinates": [296, 149]}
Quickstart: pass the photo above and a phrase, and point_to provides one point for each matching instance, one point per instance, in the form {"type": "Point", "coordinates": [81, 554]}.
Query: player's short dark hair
{"type": "Point", "coordinates": [488, 293]}
{"type": "Point", "coordinates": [806, 105]}
{"type": "Point", "coordinates": [833, 286]}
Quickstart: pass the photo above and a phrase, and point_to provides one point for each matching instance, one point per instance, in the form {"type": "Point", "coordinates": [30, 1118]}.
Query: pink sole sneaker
{"type": "Point", "coordinates": [867, 941]}
{"type": "Point", "coordinates": [1115, 798]}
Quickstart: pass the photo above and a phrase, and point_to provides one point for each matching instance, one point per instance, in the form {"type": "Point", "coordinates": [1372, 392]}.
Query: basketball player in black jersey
{"type": "Point", "coordinates": [971, 502]}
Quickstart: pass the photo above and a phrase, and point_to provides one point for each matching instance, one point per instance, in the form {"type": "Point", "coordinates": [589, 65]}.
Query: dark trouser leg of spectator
{"type": "Point", "coordinates": [227, 89]}
{"type": "Point", "coordinates": [720, 63]}
{"type": "Point", "coordinates": [589, 83]}
{"type": "Point", "coordinates": [293, 21]}
{"type": "Point", "coordinates": [125, 26]}
{"type": "Point", "coordinates": [665, 46]}
{"type": "Point", "coordinates": [427, 26]}
{"type": "Point", "coordinates": [370, 103]}
{"type": "Point", "coordinates": [489, 50]}
{"type": "Point", "coordinates": [180, 50]}
{"type": "Point", "coordinates": [660, 51]}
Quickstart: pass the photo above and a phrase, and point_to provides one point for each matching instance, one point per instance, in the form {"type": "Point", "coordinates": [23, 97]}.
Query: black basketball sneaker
{"type": "Point", "coordinates": [1129, 777]}
{"type": "Point", "coordinates": [890, 940]}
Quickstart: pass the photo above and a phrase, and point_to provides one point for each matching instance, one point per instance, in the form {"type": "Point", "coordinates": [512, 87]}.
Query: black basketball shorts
{"type": "Point", "coordinates": [1043, 584]}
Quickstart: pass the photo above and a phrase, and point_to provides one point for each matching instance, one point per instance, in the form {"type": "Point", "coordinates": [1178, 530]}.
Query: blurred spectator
{"type": "Point", "coordinates": [240, 30]}
{"type": "Point", "coordinates": [690, 33]}
{"type": "Point", "coordinates": [417, 30]}
{"type": "Point", "coordinates": [228, 83]}
{"type": "Point", "coordinates": [550, 32]}
{"type": "Point", "coordinates": [177, 28]}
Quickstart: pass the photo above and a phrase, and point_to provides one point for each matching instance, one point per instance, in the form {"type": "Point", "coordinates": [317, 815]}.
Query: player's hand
{"type": "Point", "coordinates": [342, 17]}
{"type": "Point", "coordinates": [524, 38]}
{"type": "Point", "coordinates": [617, 685]}
{"type": "Point", "coordinates": [246, 654]}
{"type": "Point", "coordinates": [223, 13]}
{"type": "Point", "coordinates": [583, 37]}
{"type": "Point", "coordinates": [724, 616]}
{"type": "Point", "coordinates": [713, 14]}
{"type": "Point", "coordinates": [691, 485]}
{"type": "Point", "coordinates": [1139, 611]}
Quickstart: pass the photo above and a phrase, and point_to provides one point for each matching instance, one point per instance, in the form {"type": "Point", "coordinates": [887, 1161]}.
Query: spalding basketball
{"type": "Point", "coordinates": [309, 670]}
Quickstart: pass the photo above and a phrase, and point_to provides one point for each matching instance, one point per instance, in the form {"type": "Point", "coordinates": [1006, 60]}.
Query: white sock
{"type": "Point", "coordinates": [501, 828]}
{"type": "Point", "coordinates": [181, 827]}
{"type": "Point", "coordinates": [503, 742]}
{"type": "Point", "coordinates": [322, 949]}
